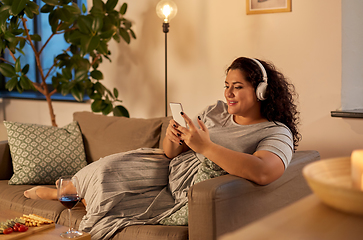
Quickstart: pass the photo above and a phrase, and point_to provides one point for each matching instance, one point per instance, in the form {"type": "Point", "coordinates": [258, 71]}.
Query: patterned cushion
{"type": "Point", "coordinates": [41, 154]}
{"type": "Point", "coordinates": [206, 170]}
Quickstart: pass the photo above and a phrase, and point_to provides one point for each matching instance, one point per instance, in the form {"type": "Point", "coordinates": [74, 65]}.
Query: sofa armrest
{"type": "Point", "coordinates": [226, 203]}
{"type": "Point", "coordinates": [6, 167]}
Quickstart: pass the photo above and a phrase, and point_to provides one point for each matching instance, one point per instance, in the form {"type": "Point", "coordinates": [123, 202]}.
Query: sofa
{"type": "Point", "coordinates": [216, 206]}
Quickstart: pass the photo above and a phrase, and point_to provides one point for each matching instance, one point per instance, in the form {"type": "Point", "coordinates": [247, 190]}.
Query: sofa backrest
{"type": "Point", "coordinates": [105, 135]}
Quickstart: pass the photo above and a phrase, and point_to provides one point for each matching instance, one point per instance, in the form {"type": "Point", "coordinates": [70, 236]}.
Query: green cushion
{"type": "Point", "coordinates": [41, 154]}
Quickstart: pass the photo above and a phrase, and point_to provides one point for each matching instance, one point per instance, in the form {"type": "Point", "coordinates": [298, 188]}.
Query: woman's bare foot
{"type": "Point", "coordinates": [40, 192]}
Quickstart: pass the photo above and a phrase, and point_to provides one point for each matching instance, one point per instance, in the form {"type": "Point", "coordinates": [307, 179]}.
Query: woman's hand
{"type": "Point", "coordinates": [197, 139]}
{"type": "Point", "coordinates": [172, 133]}
{"type": "Point", "coordinates": [173, 144]}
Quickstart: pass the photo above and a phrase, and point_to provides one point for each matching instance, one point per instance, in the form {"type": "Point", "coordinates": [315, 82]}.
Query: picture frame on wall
{"type": "Point", "coordinates": [267, 6]}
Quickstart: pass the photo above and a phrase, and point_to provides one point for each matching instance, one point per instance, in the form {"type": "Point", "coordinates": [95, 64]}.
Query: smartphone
{"type": "Point", "coordinates": [176, 109]}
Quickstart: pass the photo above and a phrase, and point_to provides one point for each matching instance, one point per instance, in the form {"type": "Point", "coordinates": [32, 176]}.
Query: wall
{"type": "Point", "coordinates": [204, 38]}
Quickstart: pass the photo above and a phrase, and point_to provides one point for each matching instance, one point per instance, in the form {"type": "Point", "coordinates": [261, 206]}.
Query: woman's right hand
{"type": "Point", "coordinates": [172, 144]}
{"type": "Point", "coordinates": [172, 133]}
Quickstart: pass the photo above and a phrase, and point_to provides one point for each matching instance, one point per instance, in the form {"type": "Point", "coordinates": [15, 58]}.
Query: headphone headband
{"type": "Point", "coordinates": [262, 86]}
{"type": "Point", "coordinates": [264, 74]}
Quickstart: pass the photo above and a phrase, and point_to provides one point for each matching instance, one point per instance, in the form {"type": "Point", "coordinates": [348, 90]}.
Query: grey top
{"type": "Point", "coordinates": [270, 136]}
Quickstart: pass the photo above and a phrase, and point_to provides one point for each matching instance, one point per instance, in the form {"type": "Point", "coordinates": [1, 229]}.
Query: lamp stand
{"type": "Point", "coordinates": [166, 30]}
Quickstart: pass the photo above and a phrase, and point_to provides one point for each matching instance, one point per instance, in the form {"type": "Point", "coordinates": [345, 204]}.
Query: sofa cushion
{"type": "Point", "coordinates": [41, 154]}
{"type": "Point", "coordinates": [106, 135]}
{"type": "Point", "coordinates": [11, 197]}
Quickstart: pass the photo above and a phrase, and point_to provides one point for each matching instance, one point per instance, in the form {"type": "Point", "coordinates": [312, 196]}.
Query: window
{"type": "Point", "coordinates": [40, 26]}
{"type": "Point", "coordinates": [352, 51]}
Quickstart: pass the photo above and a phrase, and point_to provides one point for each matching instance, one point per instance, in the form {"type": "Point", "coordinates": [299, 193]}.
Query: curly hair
{"type": "Point", "coordinates": [279, 105]}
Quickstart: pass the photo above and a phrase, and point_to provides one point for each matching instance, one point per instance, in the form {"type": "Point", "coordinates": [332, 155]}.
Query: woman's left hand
{"type": "Point", "coordinates": [197, 139]}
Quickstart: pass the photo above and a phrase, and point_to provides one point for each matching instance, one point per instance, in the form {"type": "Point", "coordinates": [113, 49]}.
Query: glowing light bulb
{"type": "Point", "coordinates": [166, 10]}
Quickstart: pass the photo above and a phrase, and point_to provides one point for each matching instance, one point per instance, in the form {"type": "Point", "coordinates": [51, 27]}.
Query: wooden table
{"type": "Point", "coordinates": [307, 219]}
{"type": "Point", "coordinates": [47, 234]}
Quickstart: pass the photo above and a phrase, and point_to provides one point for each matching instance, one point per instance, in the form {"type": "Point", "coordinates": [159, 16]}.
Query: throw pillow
{"type": "Point", "coordinates": [106, 135]}
{"type": "Point", "coordinates": [41, 154]}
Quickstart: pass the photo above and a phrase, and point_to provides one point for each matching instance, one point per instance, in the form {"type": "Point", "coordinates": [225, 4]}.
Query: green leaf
{"type": "Point", "coordinates": [12, 83]}
{"type": "Point", "coordinates": [28, 13]}
{"type": "Point", "coordinates": [97, 8]}
{"type": "Point", "coordinates": [102, 48]}
{"type": "Point", "coordinates": [107, 109]}
{"type": "Point", "coordinates": [84, 8]}
{"type": "Point", "coordinates": [74, 9]}
{"type": "Point", "coordinates": [132, 34]}
{"type": "Point", "coordinates": [98, 4]}
{"type": "Point", "coordinates": [97, 24]}
{"type": "Point", "coordinates": [120, 111]}
{"type": "Point", "coordinates": [7, 2]}
{"type": "Point", "coordinates": [7, 70]}
{"type": "Point", "coordinates": [123, 9]}
{"type": "Point", "coordinates": [97, 105]}
{"type": "Point", "coordinates": [107, 34]}
{"type": "Point", "coordinates": [53, 21]}
{"type": "Point", "coordinates": [96, 74]}
{"type": "Point", "coordinates": [25, 83]}
{"type": "Point", "coordinates": [47, 8]}
{"type": "Point", "coordinates": [80, 75]}
{"type": "Point", "coordinates": [67, 73]}
{"type": "Point", "coordinates": [111, 4]}
{"type": "Point", "coordinates": [17, 65]}
{"type": "Point", "coordinates": [77, 93]}
{"type": "Point", "coordinates": [85, 24]}
{"type": "Point", "coordinates": [36, 37]}
{"type": "Point", "coordinates": [33, 7]}
{"type": "Point", "coordinates": [64, 15]}
{"type": "Point", "coordinates": [117, 38]}
{"type": "Point", "coordinates": [25, 69]}
{"type": "Point", "coordinates": [115, 92]}
{"type": "Point", "coordinates": [125, 35]}
{"type": "Point", "coordinates": [18, 6]}
{"type": "Point", "coordinates": [10, 37]}
{"type": "Point", "coordinates": [93, 44]}
{"type": "Point", "coordinates": [73, 36]}
{"type": "Point", "coordinates": [51, 2]}
{"type": "Point", "coordinates": [99, 88]}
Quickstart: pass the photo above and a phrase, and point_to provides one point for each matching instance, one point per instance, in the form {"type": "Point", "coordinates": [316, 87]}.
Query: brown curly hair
{"type": "Point", "coordinates": [279, 105]}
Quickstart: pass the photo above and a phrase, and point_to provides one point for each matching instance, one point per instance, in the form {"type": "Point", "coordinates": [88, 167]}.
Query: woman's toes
{"type": "Point", "coordinates": [32, 193]}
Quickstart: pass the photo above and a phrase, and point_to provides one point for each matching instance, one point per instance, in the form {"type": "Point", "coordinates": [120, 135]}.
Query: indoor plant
{"type": "Point", "coordinates": [75, 69]}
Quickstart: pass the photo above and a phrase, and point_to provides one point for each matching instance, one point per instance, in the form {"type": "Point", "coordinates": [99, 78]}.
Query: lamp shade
{"type": "Point", "coordinates": [166, 10]}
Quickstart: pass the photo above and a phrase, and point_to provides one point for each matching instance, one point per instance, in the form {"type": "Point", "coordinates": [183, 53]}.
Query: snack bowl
{"type": "Point", "coordinates": [331, 182]}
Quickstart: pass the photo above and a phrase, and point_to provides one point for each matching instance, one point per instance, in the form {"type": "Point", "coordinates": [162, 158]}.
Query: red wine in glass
{"type": "Point", "coordinates": [69, 201]}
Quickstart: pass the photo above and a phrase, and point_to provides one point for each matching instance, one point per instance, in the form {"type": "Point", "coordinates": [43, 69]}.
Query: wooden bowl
{"type": "Point", "coordinates": [331, 182]}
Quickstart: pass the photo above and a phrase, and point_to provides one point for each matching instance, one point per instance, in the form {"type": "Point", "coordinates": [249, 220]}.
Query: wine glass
{"type": "Point", "coordinates": [68, 196]}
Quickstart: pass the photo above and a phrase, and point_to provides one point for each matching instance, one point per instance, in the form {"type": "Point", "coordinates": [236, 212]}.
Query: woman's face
{"type": "Point", "coordinates": [241, 96]}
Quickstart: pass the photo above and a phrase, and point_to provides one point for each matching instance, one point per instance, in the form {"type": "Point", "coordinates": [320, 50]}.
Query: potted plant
{"type": "Point", "coordinates": [75, 69]}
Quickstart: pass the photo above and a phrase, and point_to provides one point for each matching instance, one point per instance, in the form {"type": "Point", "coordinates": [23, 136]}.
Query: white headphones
{"type": "Point", "coordinates": [261, 88]}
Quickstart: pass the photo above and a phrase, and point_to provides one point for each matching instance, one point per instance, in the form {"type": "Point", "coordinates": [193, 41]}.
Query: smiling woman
{"type": "Point", "coordinates": [240, 137]}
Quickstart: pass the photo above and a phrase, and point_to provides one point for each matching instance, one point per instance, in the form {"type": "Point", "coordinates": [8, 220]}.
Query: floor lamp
{"type": "Point", "coordinates": [166, 10]}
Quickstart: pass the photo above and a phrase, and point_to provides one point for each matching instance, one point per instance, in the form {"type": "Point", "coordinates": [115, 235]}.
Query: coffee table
{"type": "Point", "coordinates": [308, 218]}
{"type": "Point", "coordinates": [47, 234]}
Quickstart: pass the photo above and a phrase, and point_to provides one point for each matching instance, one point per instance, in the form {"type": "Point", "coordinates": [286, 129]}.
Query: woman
{"type": "Point", "coordinates": [252, 135]}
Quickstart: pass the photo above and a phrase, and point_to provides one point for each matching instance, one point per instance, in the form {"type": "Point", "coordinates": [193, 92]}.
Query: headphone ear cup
{"type": "Point", "coordinates": [261, 91]}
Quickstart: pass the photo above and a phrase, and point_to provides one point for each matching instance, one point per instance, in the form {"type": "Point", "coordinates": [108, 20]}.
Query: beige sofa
{"type": "Point", "coordinates": [216, 206]}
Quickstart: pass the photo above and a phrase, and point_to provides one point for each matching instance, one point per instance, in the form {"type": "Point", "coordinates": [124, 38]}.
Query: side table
{"type": "Point", "coordinates": [308, 218]}
{"type": "Point", "coordinates": [47, 234]}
